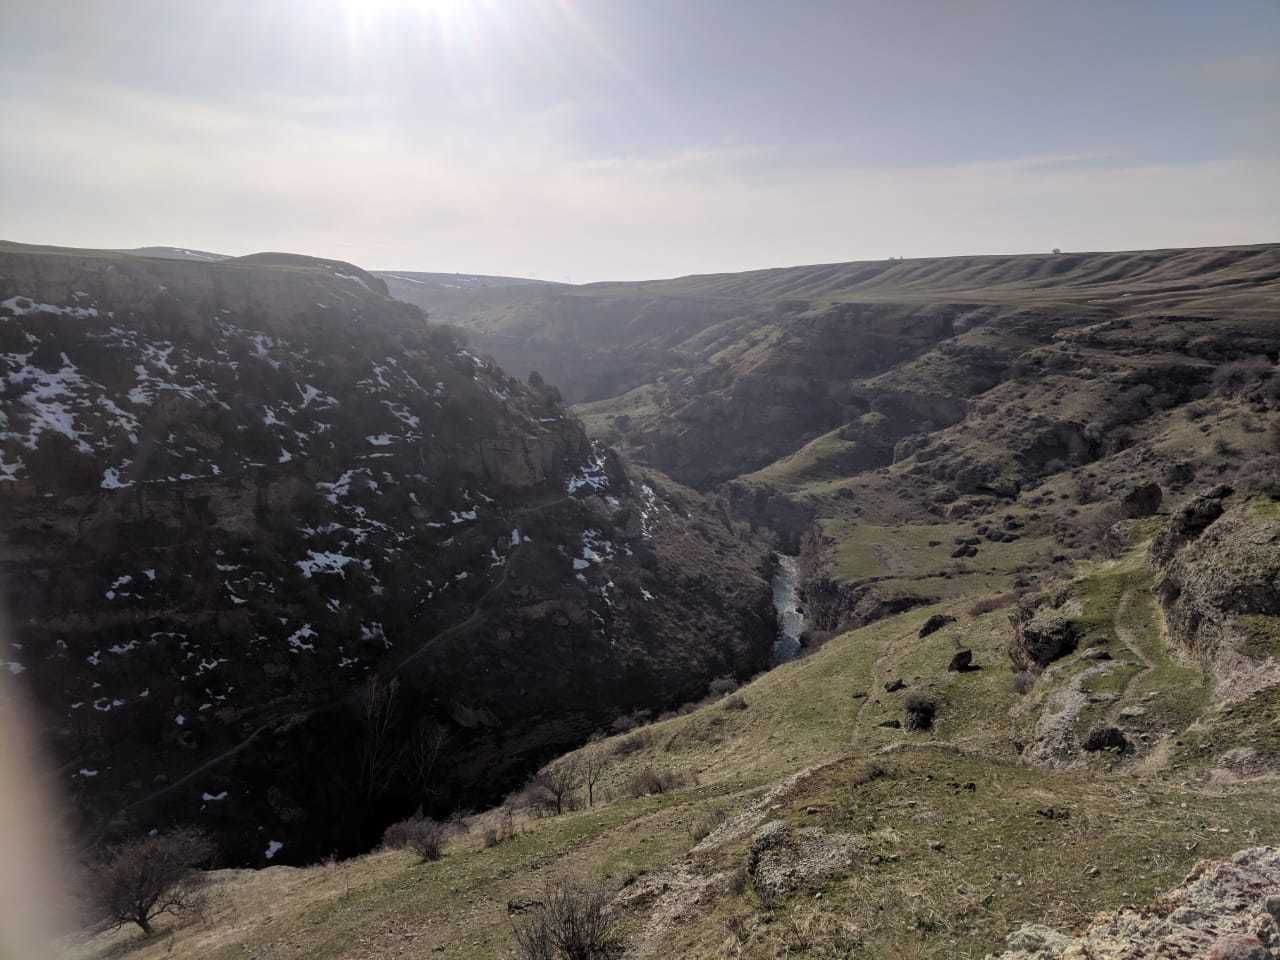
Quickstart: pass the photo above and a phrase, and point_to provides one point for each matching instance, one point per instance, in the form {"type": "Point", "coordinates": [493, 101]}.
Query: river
{"type": "Point", "coordinates": [786, 601]}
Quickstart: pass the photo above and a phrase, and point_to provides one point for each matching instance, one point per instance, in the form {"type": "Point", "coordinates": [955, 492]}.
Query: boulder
{"type": "Point", "coordinates": [935, 623]}
{"type": "Point", "coordinates": [1142, 501]}
{"type": "Point", "coordinates": [962, 662]}
{"type": "Point", "coordinates": [1188, 523]}
{"type": "Point", "coordinates": [1105, 737]}
{"type": "Point", "coordinates": [920, 712]}
{"type": "Point", "coordinates": [1044, 638]}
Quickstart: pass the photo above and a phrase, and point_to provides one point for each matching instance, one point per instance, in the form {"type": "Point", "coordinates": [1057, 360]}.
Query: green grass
{"type": "Point", "coordinates": [915, 560]}
{"type": "Point", "coordinates": [824, 458]}
{"type": "Point", "coordinates": [1002, 863]}
{"type": "Point", "coordinates": [1131, 831]}
{"type": "Point", "coordinates": [1261, 635]}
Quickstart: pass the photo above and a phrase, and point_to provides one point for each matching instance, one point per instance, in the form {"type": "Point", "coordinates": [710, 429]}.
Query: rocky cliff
{"type": "Point", "coordinates": [287, 561]}
{"type": "Point", "coordinates": [1224, 910]}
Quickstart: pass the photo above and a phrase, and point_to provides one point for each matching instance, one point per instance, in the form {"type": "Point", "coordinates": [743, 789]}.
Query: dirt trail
{"type": "Point", "coordinates": [1128, 637]}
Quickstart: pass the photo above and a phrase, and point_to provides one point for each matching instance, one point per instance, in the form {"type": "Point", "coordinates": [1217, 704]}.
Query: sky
{"type": "Point", "coordinates": [586, 140]}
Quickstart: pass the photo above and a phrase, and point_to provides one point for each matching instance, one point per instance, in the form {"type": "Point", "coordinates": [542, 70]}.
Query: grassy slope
{"type": "Point", "coordinates": [948, 869]}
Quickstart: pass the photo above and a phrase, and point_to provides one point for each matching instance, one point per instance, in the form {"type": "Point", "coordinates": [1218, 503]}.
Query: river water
{"type": "Point", "coordinates": [786, 601]}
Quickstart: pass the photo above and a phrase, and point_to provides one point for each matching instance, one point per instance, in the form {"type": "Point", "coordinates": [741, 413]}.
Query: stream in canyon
{"type": "Point", "coordinates": [786, 601]}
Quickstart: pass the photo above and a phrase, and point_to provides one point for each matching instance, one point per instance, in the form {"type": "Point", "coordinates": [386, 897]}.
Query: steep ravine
{"type": "Point", "coordinates": [286, 561]}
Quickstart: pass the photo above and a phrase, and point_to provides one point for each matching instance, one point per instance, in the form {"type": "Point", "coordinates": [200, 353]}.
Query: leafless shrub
{"type": "Point", "coordinates": [502, 829]}
{"type": "Point", "coordinates": [1238, 378]}
{"type": "Point", "coordinates": [638, 741]}
{"type": "Point", "coordinates": [1086, 488]}
{"type": "Point", "coordinates": [994, 602]}
{"type": "Point", "coordinates": [629, 722]}
{"type": "Point", "coordinates": [553, 789]}
{"type": "Point", "coordinates": [1023, 681]}
{"type": "Point", "coordinates": [868, 772]}
{"type": "Point", "coordinates": [574, 922]}
{"type": "Point", "coordinates": [1260, 477]}
{"type": "Point", "coordinates": [1196, 410]}
{"type": "Point", "coordinates": [422, 835]}
{"type": "Point", "coordinates": [706, 822]}
{"type": "Point", "coordinates": [721, 686]}
{"type": "Point", "coordinates": [141, 879]}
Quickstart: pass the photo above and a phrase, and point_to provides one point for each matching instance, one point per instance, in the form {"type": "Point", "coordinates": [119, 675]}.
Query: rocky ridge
{"type": "Point", "coordinates": [287, 561]}
{"type": "Point", "coordinates": [1224, 910]}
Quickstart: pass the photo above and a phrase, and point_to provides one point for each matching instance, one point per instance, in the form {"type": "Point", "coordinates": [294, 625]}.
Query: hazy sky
{"type": "Point", "coordinates": [592, 139]}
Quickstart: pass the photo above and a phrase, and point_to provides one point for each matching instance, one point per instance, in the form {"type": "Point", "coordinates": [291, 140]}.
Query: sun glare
{"type": "Point", "coordinates": [452, 19]}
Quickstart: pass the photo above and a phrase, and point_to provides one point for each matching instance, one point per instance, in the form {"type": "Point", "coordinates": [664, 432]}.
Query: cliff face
{"type": "Point", "coordinates": [286, 561]}
{"type": "Point", "coordinates": [1219, 565]}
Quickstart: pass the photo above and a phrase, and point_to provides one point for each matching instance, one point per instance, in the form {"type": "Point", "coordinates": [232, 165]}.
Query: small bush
{"type": "Point", "coordinates": [651, 781]}
{"type": "Point", "coordinates": [1260, 477]}
{"type": "Point", "coordinates": [638, 741]}
{"type": "Point", "coordinates": [1023, 681]}
{"type": "Point", "coordinates": [1239, 378]}
{"type": "Point", "coordinates": [1086, 489]}
{"type": "Point", "coordinates": [703, 825]}
{"type": "Point", "coordinates": [1224, 448]}
{"type": "Point", "coordinates": [735, 703]}
{"type": "Point", "coordinates": [422, 835]}
{"type": "Point", "coordinates": [995, 602]}
{"type": "Point", "coordinates": [573, 922]}
{"type": "Point", "coordinates": [868, 772]}
{"type": "Point", "coordinates": [721, 686]}
{"type": "Point", "coordinates": [502, 830]}
{"type": "Point", "coordinates": [627, 723]}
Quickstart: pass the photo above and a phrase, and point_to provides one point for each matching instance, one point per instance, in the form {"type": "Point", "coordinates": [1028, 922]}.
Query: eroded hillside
{"type": "Point", "coordinates": [811, 819]}
{"type": "Point", "coordinates": [286, 561]}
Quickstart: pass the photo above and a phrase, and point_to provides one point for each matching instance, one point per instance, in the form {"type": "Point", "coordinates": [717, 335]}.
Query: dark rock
{"type": "Point", "coordinates": [891, 724]}
{"type": "Point", "coordinates": [1142, 501]}
{"type": "Point", "coordinates": [523, 906]}
{"type": "Point", "coordinates": [1044, 638]}
{"type": "Point", "coordinates": [892, 685]}
{"type": "Point", "coordinates": [962, 662]}
{"type": "Point", "coordinates": [1053, 813]}
{"type": "Point", "coordinates": [920, 712]}
{"type": "Point", "coordinates": [935, 623]}
{"type": "Point", "coordinates": [1105, 738]}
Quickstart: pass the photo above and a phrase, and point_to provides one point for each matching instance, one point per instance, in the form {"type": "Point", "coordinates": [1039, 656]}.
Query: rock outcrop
{"type": "Point", "coordinates": [1219, 586]}
{"type": "Point", "coordinates": [287, 561]}
{"type": "Point", "coordinates": [1224, 910]}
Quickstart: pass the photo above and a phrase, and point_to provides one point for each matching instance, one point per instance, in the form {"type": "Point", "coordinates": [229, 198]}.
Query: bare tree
{"type": "Point", "coordinates": [554, 785]}
{"type": "Point", "coordinates": [422, 755]}
{"type": "Point", "coordinates": [380, 755]}
{"type": "Point", "coordinates": [139, 880]}
{"type": "Point", "coordinates": [593, 767]}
